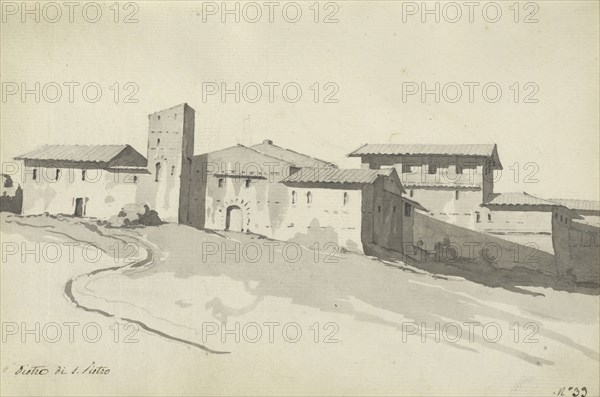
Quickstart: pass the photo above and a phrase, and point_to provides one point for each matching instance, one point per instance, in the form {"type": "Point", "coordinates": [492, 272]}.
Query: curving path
{"type": "Point", "coordinates": [70, 287]}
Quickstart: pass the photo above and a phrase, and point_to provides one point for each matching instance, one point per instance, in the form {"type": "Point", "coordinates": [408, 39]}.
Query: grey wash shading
{"type": "Point", "coordinates": [432, 205]}
{"type": "Point", "coordinates": [425, 211]}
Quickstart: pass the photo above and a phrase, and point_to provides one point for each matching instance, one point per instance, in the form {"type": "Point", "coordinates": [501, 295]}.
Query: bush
{"type": "Point", "coordinates": [135, 214]}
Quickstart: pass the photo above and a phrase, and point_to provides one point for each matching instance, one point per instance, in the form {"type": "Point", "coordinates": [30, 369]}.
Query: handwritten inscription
{"type": "Point", "coordinates": [43, 370]}
{"type": "Point", "coordinates": [572, 391]}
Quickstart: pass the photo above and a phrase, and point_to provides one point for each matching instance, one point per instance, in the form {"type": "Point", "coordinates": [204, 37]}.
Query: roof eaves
{"type": "Point", "coordinates": [353, 153]}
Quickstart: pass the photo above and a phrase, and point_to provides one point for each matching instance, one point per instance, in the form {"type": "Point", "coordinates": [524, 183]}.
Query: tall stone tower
{"type": "Point", "coordinates": [170, 152]}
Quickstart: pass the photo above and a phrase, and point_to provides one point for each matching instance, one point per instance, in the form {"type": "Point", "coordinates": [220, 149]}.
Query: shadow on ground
{"type": "Point", "coordinates": [485, 274]}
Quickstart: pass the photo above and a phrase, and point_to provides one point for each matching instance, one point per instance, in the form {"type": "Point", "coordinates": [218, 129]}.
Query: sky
{"type": "Point", "coordinates": [363, 67]}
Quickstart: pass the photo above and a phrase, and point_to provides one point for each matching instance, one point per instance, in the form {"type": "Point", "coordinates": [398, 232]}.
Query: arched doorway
{"type": "Point", "coordinates": [233, 220]}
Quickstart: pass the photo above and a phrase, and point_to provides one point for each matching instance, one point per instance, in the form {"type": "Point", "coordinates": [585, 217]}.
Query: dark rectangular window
{"type": "Point", "coordinates": [407, 209]}
{"type": "Point", "coordinates": [432, 169]}
{"type": "Point", "coordinates": [221, 182]}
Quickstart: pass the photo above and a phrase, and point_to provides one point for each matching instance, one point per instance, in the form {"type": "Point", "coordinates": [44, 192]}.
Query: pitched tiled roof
{"type": "Point", "coordinates": [519, 199]}
{"type": "Point", "coordinates": [337, 175]}
{"type": "Point", "coordinates": [290, 156]}
{"type": "Point", "coordinates": [78, 153]}
{"type": "Point", "coordinates": [583, 205]}
{"type": "Point", "coordinates": [392, 148]}
{"type": "Point", "coordinates": [414, 204]}
{"type": "Point", "coordinates": [485, 150]}
{"type": "Point", "coordinates": [449, 185]}
{"type": "Point", "coordinates": [526, 199]}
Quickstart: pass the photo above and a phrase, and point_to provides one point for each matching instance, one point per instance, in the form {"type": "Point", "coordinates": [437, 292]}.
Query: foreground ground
{"type": "Point", "coordinates": [182, 312]}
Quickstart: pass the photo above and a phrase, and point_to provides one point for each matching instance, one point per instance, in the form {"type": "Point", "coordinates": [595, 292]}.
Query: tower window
{"type": "Point", "coordinates": [378, 208]}
{"type": "Point", "coordinates": [35, 174]}
{"type": "Point", "coordinates": [293, 197]}
{"type": "Point", "coordinates": [478, 217]}
{"type": "Point", "coordinates": [489, 217]}
{"type": "Point", "coordinates": [172, 170]}
{"type": "Point", "coordinates": [456, 195]}
{"type": "Point", "coordinates": [159, 117]}
{"type": "Point", "coordinates": [158, 142]}
{"type": "Point", "coordinates": [309, 198]}
{"type": "Point", "coordinates": [157, 172]}
{"type": "Point", "coordinates": [412, 193]}
{"type": "Point", "coordinates": [407, 209]}
{"type": "Point", "coordinates": [220, 182]}
{"type": "Point", "coordinates": [135, 179]}
{"type": "Point", "coordinates": [346, 198]}
{"type": "Point", "coordinates": [83, 175]}
{"type": "Point", "coordinates": [394, 209]}
{"type": "Point", "coordinates": [57, 174]}
{"type": "Point", "coordinates": [248, 182]}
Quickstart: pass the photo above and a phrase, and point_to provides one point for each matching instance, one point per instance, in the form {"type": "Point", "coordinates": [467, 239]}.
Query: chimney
{"type": "Point", "coordinates": [268, 141]}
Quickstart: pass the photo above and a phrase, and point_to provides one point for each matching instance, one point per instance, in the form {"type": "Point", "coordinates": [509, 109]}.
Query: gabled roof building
{"type": "Point", "coordinates": [451, 181]}
{"type": "Point", "coordinates": [286, 195]}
